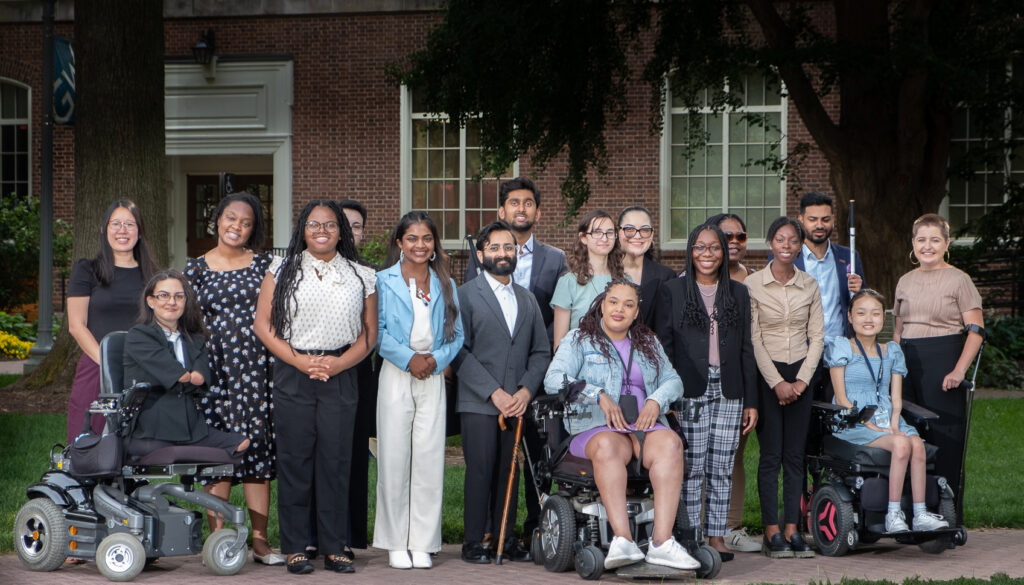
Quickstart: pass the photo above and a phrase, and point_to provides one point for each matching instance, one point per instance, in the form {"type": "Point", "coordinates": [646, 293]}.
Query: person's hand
{"type": "Point", "coordinates": [316, 368]}
{"type": "Point", "coordinates": [785, 393]}
{"type": "Point", "coordinates": [749, 420]}
{"type": "Point", "coordinates": [502, 401]}
{"type": "Point", "coordinates": [871, 425]}
{"type": "Point", "coordinates": [612, 413]}
{"type": "Point", "coordinates": [196, 378]}
{"type": "Point", "coordinates": [420, 366]}
{"type": "Point", "coordinates": [521, 399]}
{"type": "Point", "coordinates": [648, 415]}
{"type": "Point", "coordinates": [854, 282]}
{"type": "Point", "coordinates": [798, 387]}
{"type": "Point", "coordinates": [185, 377]}
{"type": "Point", "coordinates": [953, 380]}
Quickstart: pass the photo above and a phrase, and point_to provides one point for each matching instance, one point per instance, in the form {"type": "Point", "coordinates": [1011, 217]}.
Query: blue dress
{"type": "Point", "coordinates": [860, 387]}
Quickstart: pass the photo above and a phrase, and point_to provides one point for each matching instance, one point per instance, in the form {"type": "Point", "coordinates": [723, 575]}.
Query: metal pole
{"type": "Point", "coordinates": [44, 335]}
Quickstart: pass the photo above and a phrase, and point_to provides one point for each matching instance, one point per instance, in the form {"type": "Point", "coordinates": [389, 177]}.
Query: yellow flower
{"type": "Point", "coordinates": [13, 348]}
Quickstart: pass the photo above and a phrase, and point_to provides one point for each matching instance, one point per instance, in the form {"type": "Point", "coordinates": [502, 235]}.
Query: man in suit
{"type": "Point", "coordinates": [500, 367]}
{"type": "Point", "coordinates": [538, 267]}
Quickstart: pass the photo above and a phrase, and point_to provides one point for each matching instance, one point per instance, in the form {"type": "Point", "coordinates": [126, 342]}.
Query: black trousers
{"type": "Point", "coordinates": [929, 359]}
{"type": "Point", "coordinates": [365, 427]}
{"type": "Point", "coordinates": [782, 435]}
{"type": "Point", "coordinates": [314, 423]}
{"type": "Point", "coordinates": [488, 453]}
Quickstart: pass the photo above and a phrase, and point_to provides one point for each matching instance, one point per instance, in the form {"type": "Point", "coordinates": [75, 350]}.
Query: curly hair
{"type": "Point", "coordinates": [290, 274]}
{"type": "Point", "coordinates": [191, 320]}
{"type": "Point", "coordinates": [726, 310]}
{"type": "Point", "coordinates": [578, 257]}
{"type": "Point", "coordinates": [640, 336]}
{"type": "Point", "coordinates": [259, 226]}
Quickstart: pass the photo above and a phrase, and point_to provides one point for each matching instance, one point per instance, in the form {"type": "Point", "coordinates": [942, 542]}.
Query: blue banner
{"type": "Point", "coordinates": [63, 81]}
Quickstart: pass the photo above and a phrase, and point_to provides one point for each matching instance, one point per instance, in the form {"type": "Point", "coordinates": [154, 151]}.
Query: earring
{"type": "Point", "coordinates": [433, 256]}
{"type": "Point", "coordinates": [945, 257]}
{"type": "Point", "coordinates": [913, 259]}
{"type": "Point", "coordinates": [401, 256]}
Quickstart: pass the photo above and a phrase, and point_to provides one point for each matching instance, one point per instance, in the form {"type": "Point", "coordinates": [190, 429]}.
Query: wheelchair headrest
{"type": "Point", "coordinates": [112, 362]}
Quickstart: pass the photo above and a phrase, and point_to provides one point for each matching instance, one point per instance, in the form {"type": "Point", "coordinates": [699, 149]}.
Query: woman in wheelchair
{"type": "Point", "coordinates": [865, 373]}
{"type": "Point", "coordinates": [167, 350]}
{"type": "Point", "coordinates": [619, 411]}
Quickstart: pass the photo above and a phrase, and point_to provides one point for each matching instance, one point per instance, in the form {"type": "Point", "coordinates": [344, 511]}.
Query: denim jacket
{"type": "Point", "coordinates": [394, 320]}
{"type": "Point", "coordinates": [582, 360]}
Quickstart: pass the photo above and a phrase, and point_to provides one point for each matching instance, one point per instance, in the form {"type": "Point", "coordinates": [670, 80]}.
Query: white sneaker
{"type": "Point", "coordinates": [399, 559]}
{"type": "Point", "coordinates": [671, 554]}
{"type": "Point", "coordinates": [622, 552]}
{"type": "Point", "coordinates": [896, 522]}
{"type": "Point", "coordinates": [929, 521]}
{"type": "Point", "coordinates": [739, 541]}
{"type": "Point", "coordinates": [421, 560]}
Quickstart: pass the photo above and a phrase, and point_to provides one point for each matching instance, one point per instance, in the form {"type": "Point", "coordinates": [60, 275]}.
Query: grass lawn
{"type": "Point", "coordinates": [993, 490]}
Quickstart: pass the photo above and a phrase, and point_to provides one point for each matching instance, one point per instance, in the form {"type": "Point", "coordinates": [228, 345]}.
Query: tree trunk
{"type": "Point", "coordinates": [119, 141]}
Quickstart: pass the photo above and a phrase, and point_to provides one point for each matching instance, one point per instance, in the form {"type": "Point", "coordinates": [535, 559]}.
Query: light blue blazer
{"type": "Point", "coordinates": [394, 320]}
{"type": "Point", "coordinates": [582, 360]}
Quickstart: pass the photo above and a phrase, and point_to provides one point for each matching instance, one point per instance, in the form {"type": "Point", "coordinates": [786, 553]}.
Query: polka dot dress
{"type": "Point", "coordinates": [239, 397]}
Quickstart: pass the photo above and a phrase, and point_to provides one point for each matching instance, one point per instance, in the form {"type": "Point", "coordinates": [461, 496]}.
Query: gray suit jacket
{"type": "Point", "coordinates": [490, 358]}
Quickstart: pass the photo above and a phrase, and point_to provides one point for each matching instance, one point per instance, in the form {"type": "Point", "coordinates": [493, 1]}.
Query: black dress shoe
{"type": "Point", "coordinates": [299, 564]}
{"type": "Point", "coordinates": [801, 549]}
{"type": "Point", "coordinates": [474, 552]}
{"type": "Point", "coordinates": [347, 551]}
{"type": "Point", "coordinates": [338, 564]}
{"type": "Point", "coordinates": [515, 551]}
{"type": "Point", "coordinates": [776, 547]}
{"type": "Point", "coordinates": [311, 552]}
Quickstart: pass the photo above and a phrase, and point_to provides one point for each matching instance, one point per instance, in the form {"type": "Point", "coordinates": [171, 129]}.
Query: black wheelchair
{"type": "Point", "coordinates": [117, 517]}
{"type": "Point", "coordinates": [850, 490]}
{"type": "Point", "coordinates": [574, 529]}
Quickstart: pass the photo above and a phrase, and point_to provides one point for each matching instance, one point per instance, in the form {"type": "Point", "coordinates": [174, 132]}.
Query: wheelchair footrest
{"type": "Point", "coordinates": [643, 570]}
{"type": "Point", "coordinates": [925, 535]}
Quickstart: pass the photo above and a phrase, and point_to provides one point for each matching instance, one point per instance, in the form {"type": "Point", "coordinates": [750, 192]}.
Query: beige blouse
{"type": "Point", "coordinates": [932, 302]}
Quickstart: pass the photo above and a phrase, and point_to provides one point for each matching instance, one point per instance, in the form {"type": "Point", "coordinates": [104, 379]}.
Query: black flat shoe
{"type": "Point", "coordinates": [515, 551]}
{"type": "Point", "coordinates": [801, 549]}
{"type": "Point", "coordinates": [474, 552]}
{"type": "Point", "coordinates": [726, 556]}
{"type": "Point", "coordinates": [347, 551]}
{"type": "Point", "coordinates": [338, 564]}
{"type": "Point", "coordinates": [776, 547]}
{"type": "Point", "coordinates": [312, 552]}
{"type": "Point", "coordinates": [299, 565]}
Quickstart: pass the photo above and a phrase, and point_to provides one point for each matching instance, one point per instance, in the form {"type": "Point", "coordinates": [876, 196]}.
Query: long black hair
{"type": "Point", "coordinates": [640, 336]}
{"type": "Point", "coordinates": [438, 262]}
{"type": "Point", "coordinates": [103, 263]}
{"type": "Point", "coordinates": [191, 320]}
{"type": "Point", "coordinates": [726, 310]}
{"type": "Point", "coordinates": [259, 225]}
{"type": "Point", "coordinates": [290, 274]}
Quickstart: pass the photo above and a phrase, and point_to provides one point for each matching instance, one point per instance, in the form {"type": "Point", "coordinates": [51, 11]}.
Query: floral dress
{"type": "Point", "coordinates": [241, 384]}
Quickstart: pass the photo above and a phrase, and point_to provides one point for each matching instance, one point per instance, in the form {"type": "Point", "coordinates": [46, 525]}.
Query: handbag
{"type": "Point", "coordinates": [95, 455]}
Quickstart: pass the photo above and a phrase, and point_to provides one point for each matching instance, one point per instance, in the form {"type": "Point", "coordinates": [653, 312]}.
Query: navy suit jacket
{"type": "Point", "coordinates": [841, 255]}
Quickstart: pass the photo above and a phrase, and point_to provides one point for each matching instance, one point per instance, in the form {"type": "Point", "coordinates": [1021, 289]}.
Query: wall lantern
{"type": "Point", "coordinates": [204, 53]}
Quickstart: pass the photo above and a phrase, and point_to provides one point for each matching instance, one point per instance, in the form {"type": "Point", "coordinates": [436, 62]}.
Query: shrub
{"type": "Point", "coordinates": [1002, 365]}
{"type": "Point", "coordinates": [13, 348]}
{"type": "Point", "coordinates": [17, 326]}
{"type": "Point", "coordinates": [19, 249]}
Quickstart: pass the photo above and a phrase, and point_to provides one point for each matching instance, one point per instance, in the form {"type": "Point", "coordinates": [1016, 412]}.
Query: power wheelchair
{"type": "Point", "coordinates": [118, 518]}
{"type": "Point", "coordinates": [574, 529]}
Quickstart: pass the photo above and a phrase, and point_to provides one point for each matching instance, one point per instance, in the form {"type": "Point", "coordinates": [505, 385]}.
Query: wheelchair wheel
{"type": "Point", "coordinates": [590, 562]}
{"type": "Point", "coordinates": [710, 561]}
{"type": "Point", "coordinates": [557, 533]}
{"type": "Point", "coordinates": [832, 522]}
{"type": "Point", "coordinates": [219, 557]}
{"type": "Point", "coordinates": [941, 544]}
{"type": "Point", "coordinates": [536, 550]}
{"type": "Point", "coordinates": [120, 557]}
{"type": "Point", "coordinates": [41, 536]}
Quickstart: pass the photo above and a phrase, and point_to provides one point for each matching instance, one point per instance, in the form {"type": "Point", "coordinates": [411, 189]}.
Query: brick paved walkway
{"type": "Point", "coordinates": [987, 552]}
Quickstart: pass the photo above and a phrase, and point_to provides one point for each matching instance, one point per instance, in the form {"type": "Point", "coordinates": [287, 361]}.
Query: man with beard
{"type": "Point", "coordinates": [500, 368]}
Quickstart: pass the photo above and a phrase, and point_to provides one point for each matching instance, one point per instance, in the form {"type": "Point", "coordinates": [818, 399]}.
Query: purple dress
{"type": "Point", "coordinates": [633, 388]}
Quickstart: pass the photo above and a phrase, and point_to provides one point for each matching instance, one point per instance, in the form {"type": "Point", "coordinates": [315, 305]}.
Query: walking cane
{"type": "Point", "coordinates": [969, 387]}
{"type": "Point", "coordinates": [508, 489]}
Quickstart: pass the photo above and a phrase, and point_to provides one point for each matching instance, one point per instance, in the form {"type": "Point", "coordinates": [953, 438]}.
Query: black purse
{"type": "Point", "coordinates": [95, 455]}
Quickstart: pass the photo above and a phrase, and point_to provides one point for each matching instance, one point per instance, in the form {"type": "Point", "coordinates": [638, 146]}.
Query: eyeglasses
{"type": "Point", "coordinates": [631, 231]}
{"type": "Point", "coordinates": [164, 296]}
{"type": "Point", "coordinates": [736, 236]}
{"type": "Point", "coordinates": [599, 235]}
{"type": "Point", "coordinates": [328, 226]}
{"type": "Point", "coordinates": [495, 248]}
{"type": "Point", "coordinates": [117, 224]}
{"type": "Point", "coordinates": [701, 248]}
{"type": "Point", "coordinates": [356, 227]}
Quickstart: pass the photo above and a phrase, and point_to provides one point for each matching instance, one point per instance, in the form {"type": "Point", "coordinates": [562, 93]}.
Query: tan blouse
{"type": "Point", "coordinates": [932, 302]}
{"type": "Point", "coordinates": [787, 323]}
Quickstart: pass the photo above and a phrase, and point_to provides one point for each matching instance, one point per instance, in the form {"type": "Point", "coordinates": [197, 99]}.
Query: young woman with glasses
{"type": "Point", "coordinates": [594, 261]}
{"type": "Point", "coordinates": [736, 234]}
{"type": "Point", "coordinates": [636, 239]}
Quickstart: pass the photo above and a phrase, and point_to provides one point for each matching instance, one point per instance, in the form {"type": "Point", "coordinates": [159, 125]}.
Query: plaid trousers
{"type": "Point", "coordinates": [711, 443]}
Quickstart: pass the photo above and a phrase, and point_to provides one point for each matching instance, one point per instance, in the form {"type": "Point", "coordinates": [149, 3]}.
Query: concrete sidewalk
{"type": "Point", "coordinates": [987, 552]}
{"type": "Point", "coordinates": [12, 366]}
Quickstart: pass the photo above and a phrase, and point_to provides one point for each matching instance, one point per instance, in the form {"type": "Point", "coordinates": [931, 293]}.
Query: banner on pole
{"type": "Point", "coordinates": [63, 81]}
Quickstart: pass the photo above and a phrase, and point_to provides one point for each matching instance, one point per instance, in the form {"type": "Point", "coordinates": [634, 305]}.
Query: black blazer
{"type": "Point", "coordinates": [687, 347]}
{"type": "Point", "coordinates": [652, 277]}
{"type": "Point", "coordinates": [168, 411]}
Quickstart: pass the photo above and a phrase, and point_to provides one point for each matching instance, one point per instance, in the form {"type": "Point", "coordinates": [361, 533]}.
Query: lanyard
{"type": "Point", "coordinates": [629, 367]}
{"type": "Point", "coordinates": [878, 378]}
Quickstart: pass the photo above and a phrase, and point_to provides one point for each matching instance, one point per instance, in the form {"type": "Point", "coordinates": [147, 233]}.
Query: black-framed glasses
{"type": "Point", "coordinates": [631, 231]}
{"type": "Point", "coordinates": [328, 226]}
{"type": "Point", "coordinates": [701, 248]}
{"type": "Point", "coordinates": [164, 296]}
{"type": "Point", "coordinates": [599, 235]}
{"type": "Point", "coordinates": [736, 236]}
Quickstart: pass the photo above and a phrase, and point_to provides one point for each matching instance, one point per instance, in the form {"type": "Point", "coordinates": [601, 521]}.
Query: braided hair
{"type": "Point", "coordinates": [290, 273]}
{"type": "Point", "coordinates": [640, 336]}
{"type": "Point", "coordinates": [726, 310]}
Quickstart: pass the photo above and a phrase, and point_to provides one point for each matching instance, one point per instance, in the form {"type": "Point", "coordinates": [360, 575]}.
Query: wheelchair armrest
{"type": "Point", "coordinates": [827, 407]}
{"type": "Point", "coordinates": [916, 412]}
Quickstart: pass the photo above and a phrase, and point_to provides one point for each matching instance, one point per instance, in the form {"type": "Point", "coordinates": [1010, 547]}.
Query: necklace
{"type": "Point", "coordinates": [425, 297]}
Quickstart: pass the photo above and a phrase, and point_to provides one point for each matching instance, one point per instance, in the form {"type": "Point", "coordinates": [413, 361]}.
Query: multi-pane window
{"type": "Point", "coordinates": [15, 170]}
{"type": "Point", "coordinates": [731, 169]}
{"type": "Point", "coordinates": [443, 175]}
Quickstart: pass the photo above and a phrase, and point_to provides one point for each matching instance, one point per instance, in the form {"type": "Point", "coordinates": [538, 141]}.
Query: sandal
{"type": "Point", "coordinates": [298, 564]}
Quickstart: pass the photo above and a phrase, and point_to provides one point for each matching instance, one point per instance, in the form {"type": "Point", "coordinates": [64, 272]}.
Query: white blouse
{"type": "Point", "coordinates": [326, 311]}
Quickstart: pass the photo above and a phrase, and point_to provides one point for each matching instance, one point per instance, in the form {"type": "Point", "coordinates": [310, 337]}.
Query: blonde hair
{"type": "Point", "coordinates": [932, 220]}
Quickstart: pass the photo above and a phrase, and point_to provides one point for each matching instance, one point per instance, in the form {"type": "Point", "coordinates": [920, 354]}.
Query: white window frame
{"type": "Point", "coordinates": [665, 179]}
{"type": "Point", "coordinates": [405, 160]}
{"type": "Point", "coordinates": [28, 123]}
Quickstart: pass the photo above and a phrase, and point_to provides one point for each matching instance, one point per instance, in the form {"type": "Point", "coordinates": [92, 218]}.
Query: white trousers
{"type": "Point", "coordinates": [410, 461]}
